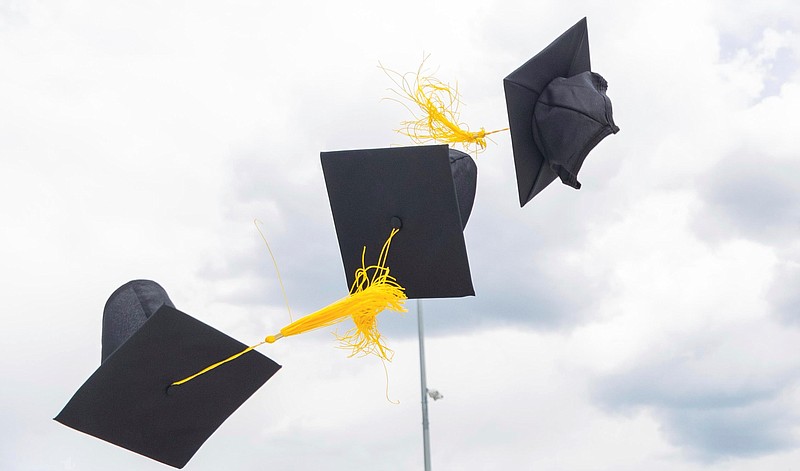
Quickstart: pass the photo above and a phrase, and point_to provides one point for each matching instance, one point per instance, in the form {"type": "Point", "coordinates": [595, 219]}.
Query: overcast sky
{"type": "Point", "coordinates": [648, 321]}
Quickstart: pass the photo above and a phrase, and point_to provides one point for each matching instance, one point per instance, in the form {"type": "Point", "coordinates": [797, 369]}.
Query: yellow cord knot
{"type": "Point", "coordinates": [273, 338]}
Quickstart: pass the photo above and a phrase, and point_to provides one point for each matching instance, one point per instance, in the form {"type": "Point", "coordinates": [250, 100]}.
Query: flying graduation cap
{"type": "Point", "coordinates": [425, 193]}
{"type": "Point", "coordinates": [558, 111]}
{"type": "Point", "coordinates": [147, 344]}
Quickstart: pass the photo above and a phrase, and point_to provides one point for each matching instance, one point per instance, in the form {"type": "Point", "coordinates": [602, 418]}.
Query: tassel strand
{"type": "Point", "coordinates": [437, 118]}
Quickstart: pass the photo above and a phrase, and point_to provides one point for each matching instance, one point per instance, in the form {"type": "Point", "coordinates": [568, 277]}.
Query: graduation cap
{"type": "Point", "coordinates": [147, 345]}
{"type": "Point", "coordinates": [558, 111]}
{"type": "Point", "coordinates": [413, 189]}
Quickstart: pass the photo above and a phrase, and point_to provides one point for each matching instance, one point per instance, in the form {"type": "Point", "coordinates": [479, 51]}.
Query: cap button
{"type": "Point", "coordinates": [397, 223]}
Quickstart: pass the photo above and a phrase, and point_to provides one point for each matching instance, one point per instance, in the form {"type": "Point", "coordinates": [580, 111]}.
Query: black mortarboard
{"type": "Point", "coordinates": [373, 190]}
{"type": "Point", "coordinates": [557, 111]}
{"type": "Point", "coordinates": [128, 401]}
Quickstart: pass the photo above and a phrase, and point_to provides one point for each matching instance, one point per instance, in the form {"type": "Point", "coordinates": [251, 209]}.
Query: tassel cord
{"type": "Point", "coordinates": [256, 222]}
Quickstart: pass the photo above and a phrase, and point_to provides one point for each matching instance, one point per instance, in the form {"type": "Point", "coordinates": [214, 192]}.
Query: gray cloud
{"type": "Point", "coordinates": [715, 397]}
{"type": "Point", "coordinates": [766, 47]}
{"type": "Point", "coordinates": [724, 432]}
{"type": "Point", "coordinates": [750, 194]}
{"type": "Point", "coordinates": [781, 69]}
{"type": "Point", "coordinates": [785, 293]}
{"type": "Point", "coordinates": [296, 221]}
{"type": "Point", "coordinates": [735, 34]}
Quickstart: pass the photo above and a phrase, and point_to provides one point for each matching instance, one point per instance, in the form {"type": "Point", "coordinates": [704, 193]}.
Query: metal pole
{"type": "Point", "coordinates": [426, 439]}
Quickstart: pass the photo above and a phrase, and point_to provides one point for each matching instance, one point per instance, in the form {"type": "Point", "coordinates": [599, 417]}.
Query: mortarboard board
{"type": "Point", "coordinates": [128, 401]}
{"type": "Point", "coordinates": [372, 191]}
{"type": "Point", "coordinates": [557, 111]}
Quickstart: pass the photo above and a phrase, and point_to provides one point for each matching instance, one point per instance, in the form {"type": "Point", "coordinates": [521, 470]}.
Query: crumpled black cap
{"type": "Point", "coordinates": [129, 402]}
{"type": "Point", "coordinates": [557, 111]}
{"type": "Point", "coordinates": [572, 116]}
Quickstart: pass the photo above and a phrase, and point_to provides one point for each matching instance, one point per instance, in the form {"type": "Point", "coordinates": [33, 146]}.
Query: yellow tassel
{"type": "Point", "coordinates": [373, 291]}
{"type": "Point", "coordinates": [438, 117]}
{"type": "Point", "coordinates": [369, 295]}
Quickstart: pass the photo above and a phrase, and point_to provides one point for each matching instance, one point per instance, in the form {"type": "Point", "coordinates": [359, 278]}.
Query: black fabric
{"type": "Point", "coordinates": [128, 400]}
{"type": "Point", "coordinates": [572, 116]}
{"type": "Point", "coordinates": [127, 309]}
{"type": "Point", "coordinates": [565, 57]}
{"type": "Point", "coordinates": [414, 185]}
{"type": "Point", "coordinates": [465, 179]}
